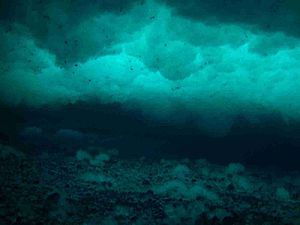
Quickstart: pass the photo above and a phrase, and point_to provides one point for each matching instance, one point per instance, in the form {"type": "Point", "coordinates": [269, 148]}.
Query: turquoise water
{"type": "Point", "coordinates": [101, 101]}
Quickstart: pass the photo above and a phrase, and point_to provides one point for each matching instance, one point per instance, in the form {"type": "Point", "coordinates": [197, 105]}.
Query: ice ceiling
{"type": "Point", "coordinates": [206, 61]}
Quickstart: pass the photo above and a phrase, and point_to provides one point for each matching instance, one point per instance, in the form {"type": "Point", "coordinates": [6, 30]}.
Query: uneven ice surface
{"type": "Point", "coordinates": [158, 57]}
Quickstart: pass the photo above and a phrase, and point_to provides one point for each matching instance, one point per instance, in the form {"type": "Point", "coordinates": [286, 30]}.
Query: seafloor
{"type": "Point", "coordinates": [102, 188]}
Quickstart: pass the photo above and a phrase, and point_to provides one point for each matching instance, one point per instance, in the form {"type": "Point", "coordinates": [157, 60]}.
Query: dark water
{"type": "Point", "coordinates": [150, 112]}
{"type": "Point", "coordinates": [271, 143]}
